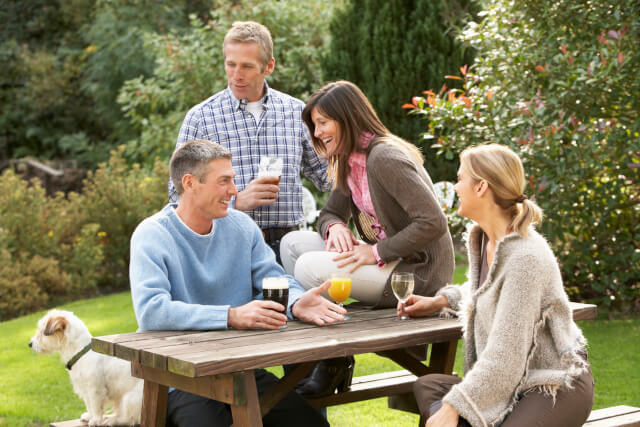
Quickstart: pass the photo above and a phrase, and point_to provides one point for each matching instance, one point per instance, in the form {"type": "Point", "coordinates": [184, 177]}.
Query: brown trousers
{"type": "Point", "coordinates": [571, 408]}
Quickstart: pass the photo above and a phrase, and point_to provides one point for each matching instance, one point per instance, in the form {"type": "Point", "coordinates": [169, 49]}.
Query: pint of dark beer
{"type": "Point", "coordinates": [276, 289]}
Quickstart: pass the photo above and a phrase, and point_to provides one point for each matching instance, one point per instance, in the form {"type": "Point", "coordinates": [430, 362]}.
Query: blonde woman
{"type": "Point", "coordinates": [382, 186]}
{"type": "Point", "coordinates": [525, 358]}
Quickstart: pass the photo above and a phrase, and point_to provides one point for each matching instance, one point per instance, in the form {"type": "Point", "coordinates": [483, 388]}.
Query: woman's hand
{"type": "Point", "coordinates": [419, 306]}
{"type": "Point", "coordinates": [446, 416]}
{"type": "Point", "coordinates": [341, 239]}
{"type": "Point", "coordinates": [360, 255]}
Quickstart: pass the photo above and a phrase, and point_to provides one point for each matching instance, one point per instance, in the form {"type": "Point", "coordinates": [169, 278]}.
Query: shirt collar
{"type": "Point", "coordinates": [241, 104]}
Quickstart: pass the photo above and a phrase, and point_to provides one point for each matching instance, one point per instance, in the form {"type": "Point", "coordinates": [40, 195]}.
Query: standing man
{"type": "Point", "coordinates": [199, 265]}
{"type": "Point", "coordinates": [252, 120]}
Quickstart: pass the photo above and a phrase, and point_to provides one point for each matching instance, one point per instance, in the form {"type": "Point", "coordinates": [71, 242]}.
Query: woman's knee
{"type": "Point", "coordinates": [307, 272]}
{"type": "Point", "coordinates": [432, 387]}
{"type": "Point", "coordinates": [294, 244]}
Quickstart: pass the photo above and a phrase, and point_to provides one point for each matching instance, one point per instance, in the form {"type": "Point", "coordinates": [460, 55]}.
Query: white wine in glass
{"type": "Point", "coordinates": [402, 286]}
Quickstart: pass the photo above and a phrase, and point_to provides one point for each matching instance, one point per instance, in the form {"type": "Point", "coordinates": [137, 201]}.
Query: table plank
{"type": "Point", "coordinates": [151, 351]}
{"type": "Point", "coordinates": [583, 311]}
{"type": "Point", "coordinates": [342, 343]}
{"type": "Point", "coordinates": [125, 346]}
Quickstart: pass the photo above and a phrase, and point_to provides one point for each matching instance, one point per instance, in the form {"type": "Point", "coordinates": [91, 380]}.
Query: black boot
{"type": "Point", "coordinates": [327, 376]}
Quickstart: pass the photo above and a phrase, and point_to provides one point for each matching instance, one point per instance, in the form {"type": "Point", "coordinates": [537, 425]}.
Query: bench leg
{"type": "Point", "coordinates": [154, 404]}
{"type": "Point", "coordinates": [246, 410]}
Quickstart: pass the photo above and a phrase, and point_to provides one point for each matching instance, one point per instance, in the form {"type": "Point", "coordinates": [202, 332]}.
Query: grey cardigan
{"type": "Point", "coordinates": [519, 329]}
{"type": "Point", "coordinates": [408, 210]}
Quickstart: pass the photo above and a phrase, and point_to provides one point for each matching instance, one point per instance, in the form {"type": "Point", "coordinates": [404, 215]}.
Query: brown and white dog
{"type": "Point", "coordinates": [101, 381]}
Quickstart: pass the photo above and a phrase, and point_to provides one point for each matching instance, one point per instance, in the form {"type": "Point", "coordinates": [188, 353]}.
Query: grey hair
{"type": "Point", "coordinates": [250, 32]}
{"type": "Point", "coordinates": [193, 158]}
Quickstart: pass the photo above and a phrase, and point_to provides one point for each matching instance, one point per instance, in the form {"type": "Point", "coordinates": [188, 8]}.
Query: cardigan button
{"type": "Point", "coordinates": [385, 293]}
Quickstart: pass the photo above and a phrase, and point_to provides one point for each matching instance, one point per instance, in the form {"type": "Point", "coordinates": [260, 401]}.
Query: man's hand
{"type": "Point", "coordinates": [260, 192]}
{"type": "Point", "coordinates": [257, 314]}
{"type": "Point", "coordinates": [446, 416]}
{"type": "Point", "coordinates": [419, 306]}
{"type": "Point", "coordinates": [340, 238]}
{"type": "Point", "coordinates": [360, 255]}
{"type": "Point", "coordinates": [314, 308]}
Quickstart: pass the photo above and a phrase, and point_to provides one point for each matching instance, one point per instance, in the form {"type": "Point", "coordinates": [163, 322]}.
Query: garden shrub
{"type": "Point", "coordinates": [559, 82]}
{"type": "Point", "coordinates": [59, 248]}
{"type": "Point", "coordinates": [19, 291]}
{"type": "Point", "coordinates": [118, 197]}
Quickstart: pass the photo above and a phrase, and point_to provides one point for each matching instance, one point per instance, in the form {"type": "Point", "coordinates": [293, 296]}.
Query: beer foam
{"type": "Point", "coordinates": [275, 283]}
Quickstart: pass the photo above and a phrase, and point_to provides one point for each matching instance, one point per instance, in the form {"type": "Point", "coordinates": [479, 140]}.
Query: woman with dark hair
{"type": "Point", "coordinates": [381, 185]}
{"type": "Point", "coordinates": [525, 358]}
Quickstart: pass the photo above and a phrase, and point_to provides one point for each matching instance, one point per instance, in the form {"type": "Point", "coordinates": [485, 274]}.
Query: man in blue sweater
{"type": "Point", "coordinates": [200, 265]}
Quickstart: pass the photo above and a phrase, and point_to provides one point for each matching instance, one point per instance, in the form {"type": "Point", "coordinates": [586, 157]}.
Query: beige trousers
{"type": "Point", "coordinates": [304, 257]}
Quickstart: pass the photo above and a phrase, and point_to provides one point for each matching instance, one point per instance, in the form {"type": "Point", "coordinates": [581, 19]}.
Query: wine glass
{"type": "Point", "coordinates": [402, 286]}
{"type": "Point", "coordinates": [340, 290]}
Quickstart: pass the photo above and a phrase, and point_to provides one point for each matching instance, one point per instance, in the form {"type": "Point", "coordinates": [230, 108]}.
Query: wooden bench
{"type": "Point", "coordinates": [614, 416]}
{"type": "Point", "coordinates": [371, 387]}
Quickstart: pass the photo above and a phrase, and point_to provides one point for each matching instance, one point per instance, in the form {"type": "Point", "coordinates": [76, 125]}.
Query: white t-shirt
{"type": "Point", "coordinates": [255, 108]}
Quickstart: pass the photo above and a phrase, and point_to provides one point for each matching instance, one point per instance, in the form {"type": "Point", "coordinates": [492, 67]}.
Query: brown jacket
{"type": "Point", "coordinates": [408, 210]}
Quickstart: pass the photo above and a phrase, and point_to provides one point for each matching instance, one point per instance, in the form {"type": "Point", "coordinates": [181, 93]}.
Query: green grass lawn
{"type": "Point", "coordinates": [36, 389]}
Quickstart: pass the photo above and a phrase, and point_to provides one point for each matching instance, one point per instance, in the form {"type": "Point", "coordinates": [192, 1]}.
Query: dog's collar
{"type": "Point", "coordinates": [77, 356]}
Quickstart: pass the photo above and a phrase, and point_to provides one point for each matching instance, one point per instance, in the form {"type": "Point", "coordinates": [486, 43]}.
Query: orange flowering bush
{"type": "Point", "coordinates": [559, 83]}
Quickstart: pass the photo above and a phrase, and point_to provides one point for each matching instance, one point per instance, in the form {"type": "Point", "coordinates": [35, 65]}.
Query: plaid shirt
{"type": "Point", "coordinates": [280, 132]}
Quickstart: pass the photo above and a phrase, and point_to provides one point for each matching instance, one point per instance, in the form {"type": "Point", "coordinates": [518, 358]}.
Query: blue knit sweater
{"type": "Point", "coordinates": [181, 280]}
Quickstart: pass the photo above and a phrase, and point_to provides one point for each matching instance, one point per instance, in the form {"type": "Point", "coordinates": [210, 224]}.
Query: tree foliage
{"type": "Point", "coordinates": [63, 64]}
{"type": "Point", "coordinates": [560, 83]}
{"type": "Point", "coordinates": [189, 66]}
{"type": "Point", "coordinates": [393, 49]}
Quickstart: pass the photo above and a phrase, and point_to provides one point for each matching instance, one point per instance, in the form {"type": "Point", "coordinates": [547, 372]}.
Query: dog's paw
{"type": "Point", "coordinates": [114, 420]}
{"type": "Point", "coordinates": [85, 417]}
{"type": "Point", "coordinates": [96, 421]}
{"type": "Point", "coordinates": [110, 420]}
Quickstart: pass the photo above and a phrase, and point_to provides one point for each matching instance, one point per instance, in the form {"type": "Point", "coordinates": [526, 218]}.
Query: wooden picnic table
{"type": "Point", "coordinates": [220, 364]}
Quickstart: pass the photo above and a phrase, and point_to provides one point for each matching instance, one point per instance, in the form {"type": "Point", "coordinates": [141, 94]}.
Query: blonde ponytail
{"type": "Point", "coordinates": [528, 213]}
{"type": "Point", "coordinates": [502, 169]}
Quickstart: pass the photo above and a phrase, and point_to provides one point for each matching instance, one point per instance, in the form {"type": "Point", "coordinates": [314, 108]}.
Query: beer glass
{"type": "Point", "coordinates": [271, 167]}
{"type": "Point", "coordinates": [340, 289]}
{"type": "Point", "coordinates": [402, 286]}
{"type": "Point", "coordinates": [276, 289]}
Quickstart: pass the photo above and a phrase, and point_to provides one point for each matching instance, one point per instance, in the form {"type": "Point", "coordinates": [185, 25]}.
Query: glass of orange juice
{"type": "Point", "coordinates": [340, 289]}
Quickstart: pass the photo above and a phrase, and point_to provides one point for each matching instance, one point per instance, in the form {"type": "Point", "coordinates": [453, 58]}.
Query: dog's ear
{"type": "Point", "coordinates": [55, 324]}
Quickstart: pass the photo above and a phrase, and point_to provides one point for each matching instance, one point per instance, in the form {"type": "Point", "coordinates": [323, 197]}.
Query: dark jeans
{"type": "Point", "coordinates": [275, 245]}
{"type": "Point", "coordinates": [190, 410]}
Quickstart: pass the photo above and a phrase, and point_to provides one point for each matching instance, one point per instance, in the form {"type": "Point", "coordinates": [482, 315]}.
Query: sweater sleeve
{"type": "Point", "coordinates": [151, 259]}
{"type": "Point", "coordinates": [398, 175]}
{"type": "Point", "coordinates": [337, 209]}
{"type": "Point", "coordinates": [501, 365]}
{"type": "Point", "coordinates": [455, 294]}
